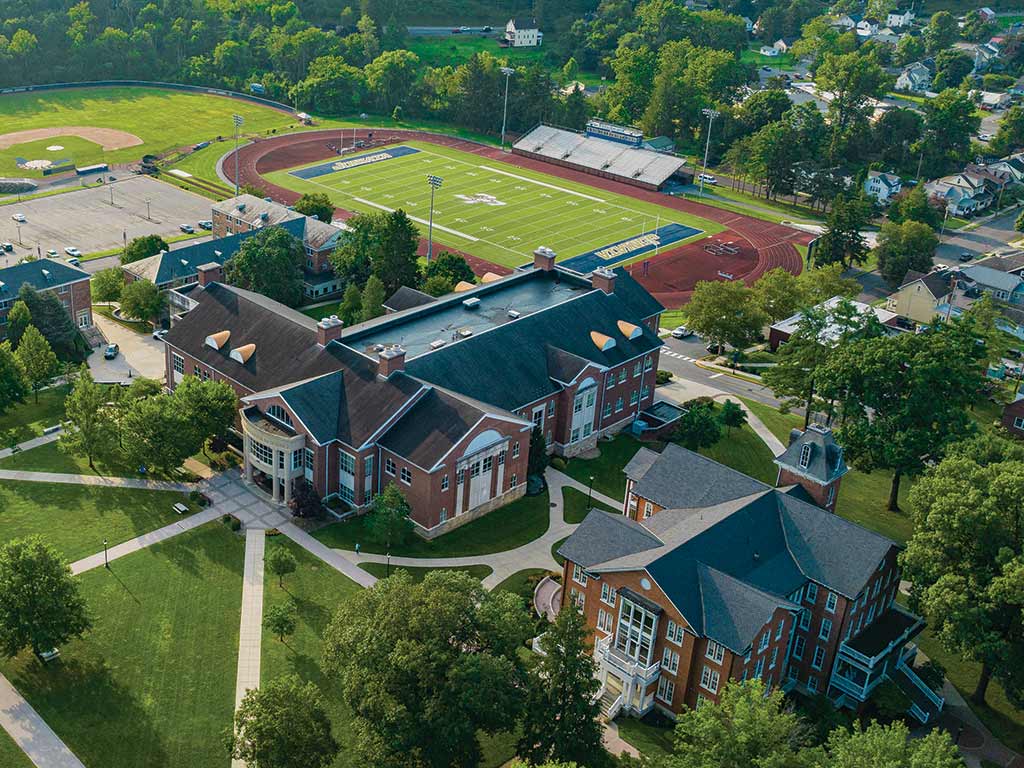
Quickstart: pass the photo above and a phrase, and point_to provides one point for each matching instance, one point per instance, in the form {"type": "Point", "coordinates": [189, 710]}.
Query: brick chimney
{"type": "Point", "coordinates": [390, 360]}
{"type": "Point", "coordinates": [603, 279]}
{"type": "Point", "coordinates": [210, 273]}
{"type": "Point", "coordinates": [328, 329]}
{"type": "Point", "coordinates": [544, 258]}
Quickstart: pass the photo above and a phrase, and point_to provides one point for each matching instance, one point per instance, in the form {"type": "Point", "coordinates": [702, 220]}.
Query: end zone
{"type": "Point", "coordinates": [324, 169]}
{"type": "Point", "coordinates": [610, 255]}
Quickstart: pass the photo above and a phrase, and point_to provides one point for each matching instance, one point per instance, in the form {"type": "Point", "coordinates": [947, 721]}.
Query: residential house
{"type": "Point", "coordinates": [888, 36]}
{"type": "Point", "coordinates": [749, 24]}
{"type": "Point", "coordinates": [986, 56]}
{"type": "Point", "coordinates": [769, 50]}
{"type": "Point", "coordinates": [848, 21]}
{"type": "Point", "coordinates": [439, 398]}
{"type": "Point", "coordinates": [1009, 169]}
{"type": "Point", "coordinates": [1002, 286]}
{"type": "Point", "coordinates": [1013, 416]}
{"type": "Point", "coordinates": [781, 331]}
{"type": "Point", "coordinates": [991, 101]}
{"type": "Point", "coordinates": [963, 194]}
{"type": "Point", "coordinates": [784, 44]}
{"type": "Point", "coordinates": [916, 77]}
{"type": "Point", "coordinates": [710, 576]}
{"type": "Point", "coordinates": [987, 14]}
{"type": "Point", "coordinates": [900, 18]}
{"type": "Point", "coordinates": [67, 283]}
{"type": "Point", "coordinates": [882, 186]}
{"type": "Point", "coordinates": [247, 213]}
{"type": "Point", "coordinates": [920, 296]}
{"type": "Point", "coordinates": [1017, 89]}
{"type": "Point", "coordinates": [523, 33]}
{"type": "Point", "coordinates": [867, 28]}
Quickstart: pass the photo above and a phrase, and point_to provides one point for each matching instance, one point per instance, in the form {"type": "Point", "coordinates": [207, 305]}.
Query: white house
{"type": "Point", "coordinates": [916, 77]}
{"type": "Point", "coordinates": [847, 20]}
{"type": "Point", "coordinates": [523, 33]}
{"type": "Point", "coordinates": [882, 186]}
{"type": "Point", "coordinates": [900, 18]}
{"type": "Point", "coordinates": [962, 194]}
{"type": "Point", "coordinates": [867, 28]}
{"type": "Point", "coordinates": [990, 100]}
{"type": "Point", "coordinates": [888, 36]}
{"type": "Point", "coordinates": [767, 50]}
{"type": "Point", "coordinates": [987, 13]}
{"type": "Point", "coordinates": [783, 44]}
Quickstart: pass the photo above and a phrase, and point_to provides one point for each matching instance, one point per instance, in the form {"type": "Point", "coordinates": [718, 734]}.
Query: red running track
{"type": "Point", "coordinates": [669, 276]}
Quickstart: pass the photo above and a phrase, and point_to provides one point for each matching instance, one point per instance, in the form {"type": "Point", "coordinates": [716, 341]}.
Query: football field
{"type": "Point", "coordinates": [496, 210]}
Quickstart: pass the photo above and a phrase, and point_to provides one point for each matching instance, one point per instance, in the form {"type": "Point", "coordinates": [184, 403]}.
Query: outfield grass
{"type": "Point", "coordinates": [576, 508]}
{"type": "Point", "coordinates": [152, 685]}
{"type": "Point", "coordinates": [77, 518]}
{"type": "Point", "coordinates": [163, 119]}
{"type": "Point", "coordinates": [381, 571]}
{"type": "Point", "coordinates": [530, 208]}
{"type": "Point", "coordinates": [29, 419]}
{"type": "Point", "coordinates": [507, 527]}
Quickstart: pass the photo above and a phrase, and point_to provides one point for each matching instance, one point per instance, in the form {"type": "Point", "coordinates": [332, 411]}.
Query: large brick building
{"type": "Point", "coordinates": [67, 283]}
{"type": "Point", "coordinates": [710, 576]}
{"type": "Point", "coordinates": [439, 398]}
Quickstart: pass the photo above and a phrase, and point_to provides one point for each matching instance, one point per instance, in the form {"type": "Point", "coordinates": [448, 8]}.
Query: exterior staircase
{"type": "Point", "coordinates": [611, 703]}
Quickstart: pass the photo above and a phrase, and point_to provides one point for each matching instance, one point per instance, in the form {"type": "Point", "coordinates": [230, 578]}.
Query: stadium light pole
{"type": "Point", "coordinates": [435, 184]}
{"type": "Point", "coordinates": [710, 114]}
{"type": "Point", "coordinates": [507, 72]}
{"type": "Point", "coordinates": [237, 120]}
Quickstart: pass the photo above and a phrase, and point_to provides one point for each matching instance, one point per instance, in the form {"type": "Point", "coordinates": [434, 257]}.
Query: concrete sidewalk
{"type": "Point", "coordinates": [105, 482]}
{"type": "Point", "coordinates": [28, 445]}
{"type": "Point", "coordinates": [250, 631]}
{"type": "Point", "coordinates": [31, 733]}
{"type": "Point", "coordinates": [333, 557]}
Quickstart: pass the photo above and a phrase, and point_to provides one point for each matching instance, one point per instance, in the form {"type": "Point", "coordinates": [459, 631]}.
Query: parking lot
{"type": "Point", "coordinates": [85, 219]}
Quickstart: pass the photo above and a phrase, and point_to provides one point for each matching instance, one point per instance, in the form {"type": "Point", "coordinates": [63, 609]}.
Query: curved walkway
{"type": "Point", "coordinates": [535, 554]}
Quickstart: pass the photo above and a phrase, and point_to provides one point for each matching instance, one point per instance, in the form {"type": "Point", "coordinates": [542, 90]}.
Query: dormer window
{"type": "Point", "coordinates": [805, 456]}
{"type": "Point", "coordinates": [277, 413]}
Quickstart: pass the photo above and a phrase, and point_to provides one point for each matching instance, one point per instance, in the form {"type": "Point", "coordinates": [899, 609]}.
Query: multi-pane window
{"type": "Point", "coordinates": [779, 628]}
{"type": "Point", "coordinates": [389, 465]}
{"type": "Point", "coordinates": [297, 458]}
{"type": "Point", "coordinates": [607, 594]}
{"type": "Point", "coordinates": [261, 452]}
{"type": "Point", "coordinates": [871, 613]}
{"type": "Point", "coordinates": [798, 647]}
{"type": "Point", "coordinates": [622, 375]}
{"type": "Point", "coordinates": [764, 641]}
{"type": "Point", "coordinates": [644, 392]}
{"type": "Point", "coordinates": [607, 410]}
{"type": "Point", "coordinates": [460, 476]}
{"type": "Point", "coordinates": [674, 633]}
{"type": "Point", "coordinates": [812, 683]}
{"type": "Point", "coordinates": [488, 463]}
{"type": "Point", "coordinates": [812, 592]}
{"type": "Point", "coordinates": [346, 463]}
{"type": "Point", "coordinates": [578, 599]}
{"type": "Point", "coordinates": [608, 385]}
{"type": "Point", "coordinates": [634, 397]}
{"type": "Point", "coordinates": [444, 482]}
{"type": "Point", "coordinates": [604, 620]}
{"type": "Point", "coordinates": [670, 660]}
{"type": "Point", "coordinates": [618, 404]}
{"type": "Point", "coordinates": [277, 413]}
{"type": "Point", "coordinates": [406, 476]}
{"type": "Point", "coordinates": [551, 408]}
{"type": "Point", "coordinates": [515, 450]}
{"type": "Point", "coordinates": [709, 679]}
{"type": "Point", "coordinates": [637, 369]}
{"type": "Point", "coordinates": [819, 657]}
{"type": "Point", "coordinates": [831, 601]}
{"type": "Point", "coordinates": [513, 481]}
{"type": "Point", "coordinates": [666, 690]}
{"type": "Point", "coordinates": [648, 363]}
{"type": "Point", "coordinates": [775, 657]}
{"type": "Point", "coordinates": [635, 635]}
{"type": "Point", "coordinates": [178, 362]}
{"type": "Point", "coordinates": [648, 509]}
{"type": "Point", "coordinates": [715, 651]}
{"type": "Point", "coordinates": [805, 619]}
{"type": "Point", "coordinates": [805, 456]}
{"type": "Point", "coordinates": [501, 456]}
{"type": "Point", "coordinates": [310, 457]}
{"type": "Point", "coordinates": [826, 629]}
{"type": "Point", "coordinates": [759, 669]}
{"type": "Point", "coordinates": [579, 575]}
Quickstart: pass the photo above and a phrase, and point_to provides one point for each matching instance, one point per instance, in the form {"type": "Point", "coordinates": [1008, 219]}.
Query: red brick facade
{"type": "Point", "coordinates": [76, 298]}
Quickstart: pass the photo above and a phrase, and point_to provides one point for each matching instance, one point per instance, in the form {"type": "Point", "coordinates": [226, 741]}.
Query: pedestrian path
{"type": "Point", "coordinates": [145, 540]}
{"type": "Point", "coordinates": [105, 482]}
{"type": "Point", "coordinates": [28, 445]}
{"type": "Point", "coordinates": [333, 557]}
{"type": "Point", "coordinates": [766, 435]}
{"type": "Point", "coordinates": [250, 632]}
{"type": "Point", "coordinates": [31, 733]}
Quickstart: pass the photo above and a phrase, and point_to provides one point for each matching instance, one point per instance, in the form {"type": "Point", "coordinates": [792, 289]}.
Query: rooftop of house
{"type": "Point", "coordinates": [790, 324]}
{"type": "Point", "coordinates": [889, 179]}
{"type": "Point", "coordinates": [256, 210]}
{"type": "Point", "coordinates": [937, 282]}
{"type": "Point", "coordinates": [992, 278]}
{"type": "Point", "coordinates": [728, 565]}
{"type": "Point", "coordinates": [41, 274]}
{"type": "Point", "coordinates": [521, 23]}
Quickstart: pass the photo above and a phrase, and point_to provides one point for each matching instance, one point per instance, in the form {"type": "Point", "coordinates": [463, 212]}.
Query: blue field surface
{"type": "Point", "coordinates": [357, 161]}
{"type": "Point", "coordinates": [631, 247]}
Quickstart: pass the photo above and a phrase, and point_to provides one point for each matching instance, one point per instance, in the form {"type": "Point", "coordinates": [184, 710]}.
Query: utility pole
{"type": "Point", "coordinates": [435, 184]}
{"type": "Point", "coordinates": [710, 114]}
{"type": "Point", "coordinates": [507, 72]}
{"type": "Point", "coordinates": [238, 120]}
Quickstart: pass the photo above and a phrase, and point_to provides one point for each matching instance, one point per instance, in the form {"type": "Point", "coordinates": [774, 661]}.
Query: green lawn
{"type": "Point", "coordinates": [29, 419]}
{"type": "Point", "coordinates": [752, 55]}
{"type": "Point", "coordinates": [163, 119]}
{"type": "Point", "coordinates": [528, 207]}
{"type": "Point", "coordinates": [381, 571]}
{"type": "Point", "coordinates": [152, 685]}
{"type": "Point", "coordinates": [653, 740]}
{"type": "Point", "coordinates": [606, 469]}
{"type": "Point", "coordinates": [77, 518]}
{"type": "Point", "coordinates": [554, 551]}
{"type": "Point", "coordinates": [745, 452]}
{"type": "Point", "coordinates": [522, 582]}
{"type": "Point", "coordinates": [325, 310]}
{"type": "Point", "coordinates": [576, 508]}
{"type": "Point", "coordinates": [50, 458]}
{"type": "Point", "coordinates": [453, 50]}
{"type": "Point", "coordinates": [507, 527]}
{"type": "Point", "coordinates": [11, 755]}
{"type": "Point", "coordinates": [786, 210]}
{"type": "Point", "coordinates": [140, 327]}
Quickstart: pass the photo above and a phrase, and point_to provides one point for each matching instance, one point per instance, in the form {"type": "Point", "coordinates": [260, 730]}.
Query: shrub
{"type": "Point", "coordinates": [557, 462]}
{"type": "Point", "coordinates": [662, 377]}
{"type": "Point", "coordinates": [697, 402]}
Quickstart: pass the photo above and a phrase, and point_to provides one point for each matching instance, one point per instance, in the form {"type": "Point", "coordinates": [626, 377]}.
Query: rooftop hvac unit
{"type": "Point", "coordinates": [515, 314]}
{"type": "Point", "coordinates": [437, 343]}
{"type": "Point", "coordinates": [465, 333]}
{"type": "Point", "coordinates": [471, 303]}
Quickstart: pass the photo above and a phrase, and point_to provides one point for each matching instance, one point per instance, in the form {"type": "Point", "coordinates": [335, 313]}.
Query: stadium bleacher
{"type": "Point", "coordinates": [599, 156]}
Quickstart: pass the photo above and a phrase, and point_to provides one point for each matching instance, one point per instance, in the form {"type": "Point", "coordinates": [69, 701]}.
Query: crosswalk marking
{"type": "Point", "coordinates": [715, 376]}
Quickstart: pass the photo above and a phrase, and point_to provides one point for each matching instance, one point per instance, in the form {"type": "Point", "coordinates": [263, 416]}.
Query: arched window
{"type": "Point", "coordinates": [278, 413]}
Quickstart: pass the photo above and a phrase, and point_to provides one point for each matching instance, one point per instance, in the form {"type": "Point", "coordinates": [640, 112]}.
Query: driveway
{"type": "Point", "coordinates": [141, 354]}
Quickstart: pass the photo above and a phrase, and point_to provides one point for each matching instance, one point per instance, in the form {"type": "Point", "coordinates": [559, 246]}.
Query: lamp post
{"type": "Point", "coordinates": [435, 184]}
{"type": "Point", "coordinates": [18, 225]}
{"type": "Point", "coordinates": [106, 563]}
{"type": "Point", "coordinates": [507, 72]}
{"type": "Point", "coordinates": [590, 491]}
{"type": "Point", "coordinates": [148, 217]}
{"type": "Point", "coordinates": [237, 120]}
{"type": "Point", "coordinates": [111, 188]}
{"type": "Point", "coordinates": [387, 569]}
{"type": "Point", "coordinates": [710, 114]}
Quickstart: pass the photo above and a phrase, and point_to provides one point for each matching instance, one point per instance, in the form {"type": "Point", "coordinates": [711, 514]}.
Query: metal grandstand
{"type": "Point", "coordinates": [600, 156]}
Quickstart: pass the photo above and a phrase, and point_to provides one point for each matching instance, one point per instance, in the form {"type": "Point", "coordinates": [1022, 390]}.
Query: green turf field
{"type": "Point", "coordinates": [163, 119]}
{"type": "Point", "coordinates": [492, 209]}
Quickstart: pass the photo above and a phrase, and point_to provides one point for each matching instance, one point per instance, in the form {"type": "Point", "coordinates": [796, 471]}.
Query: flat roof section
{"type": "Point", "coordinates": [447, 321]}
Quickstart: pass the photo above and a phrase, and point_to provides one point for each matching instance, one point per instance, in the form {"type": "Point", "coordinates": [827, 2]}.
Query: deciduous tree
{"type": "Point", "coordinates": [316, 204]}
{"type": "Point", "coordinates": [281, 562]}
{"type": "Point", "coordinates": [778, 293]}
{"type": "Point", "coordinates": [209, 408]}
{"type": "Point", "coordinates": [388, 521]}
{"type": "Point", "coordinates": [142, 300]}
{"type": "Point", "coordinates": [143, 247]}
{"type": "Point", "coordinates": [89, 428]}
{"type": "Point", "coordinates": [281, 619]}
{"type": "Point", "coordinates": [269, 263]}
{"type": "Point", "coordinates": [374, 296]}
{"type": "Point", "coordinates": [698, 428]}
{"type": "Point", "coordinates": [37, 361]}
{"type": "Point", "coordinates": [13, 386]}
{"type": "Point", "coordinates": [18, 319]}
{"type": "Point", "coordinates": [904, 247]}
{"type": "Point", "coordinates": [732, 415]}
{"type": "Point", "coordinates": [106, 285]}
{"type": "Point", "coordinates": [889, 745]}
{"type": "Point", "coordinates": [725, 312]}
{"type": "Point", "coordinates": [451, 266]}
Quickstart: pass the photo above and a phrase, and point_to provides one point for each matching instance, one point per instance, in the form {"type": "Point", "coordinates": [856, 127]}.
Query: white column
{"type": "Point", "coordinates": [287, 483]}
{"type": "Point", "coordinates": [273, 476]}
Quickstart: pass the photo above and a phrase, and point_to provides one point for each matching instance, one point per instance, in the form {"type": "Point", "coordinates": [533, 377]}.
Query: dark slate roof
{"type": "Point", "coordinates": [682, 479]}
{"type": "Point", "coordinates": [406, 298]}
{"type": "Point", "coordinates": [733, 611]}
{"type": "Point", "coordinates": [640, 463]}
{"type": "Point", "coordinates": [513, 349]}
{"type": "Point", "coordinates": [32, 272]}
{"type": "Point", "coordinates": [936, 282]}
{"type": "Point", "coordinates": [563, 366]}
{"type": "Point", "coordinates": [603, 536]}
{"type": "Point", "coordinates": [637, 299]}
{"type": "Point", "coordinates": [522, 22]}
{"type": "Point", "coordinates": [825, 462]}
{"type": "Point", "coordinates": [286, 349]}
{"type": "Point", "coordinates": [350, 404]}
{"type": "Point", "coordinates": [431, 428]}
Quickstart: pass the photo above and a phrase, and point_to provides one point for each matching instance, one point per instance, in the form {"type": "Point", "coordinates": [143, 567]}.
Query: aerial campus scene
{"type": "Point", "coordinates": [623, 383]}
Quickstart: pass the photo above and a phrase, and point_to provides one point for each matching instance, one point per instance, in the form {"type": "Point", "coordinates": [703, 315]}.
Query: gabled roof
{"type": "Point", "coordinates": [41, 274]}
{"type": "Point", "coordinates": [521, 23]}
{"type": "Point", "coordinates": [682, 479]}
{"type": "Point", "coordinates": [734, 611]}
{"type": "Point", "coordinates": [890, 180]}
{"type": "Point", "coordinates": [992, 278]}
{"type": "Point", "coordinates": [937, 283]}
{"type": "Point", "coordinates": [406, 298]}
{"type": "Point", "coordinates": [823, 456]}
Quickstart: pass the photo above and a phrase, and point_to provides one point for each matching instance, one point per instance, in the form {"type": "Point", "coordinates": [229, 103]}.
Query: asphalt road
{"type": "Point", "coordinates": [989, 236]}
{"type": "Point", "coordinates": [445, 31]}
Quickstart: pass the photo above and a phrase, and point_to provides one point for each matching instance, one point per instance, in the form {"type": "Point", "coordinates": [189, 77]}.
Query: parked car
{"type": "Point", "coordinates": [463, 29]}
{"type": "Point", "coordinates": [74, 262]}
{"type": "Point", "coordinates": [766, 68]}
{"type": "Point", "coordinates": [188, 229]}
{"type": "Point", "coordinates": [51, 254]}
{"type": "Point", "coordinates": [965, 256]}
{"type": "Point", "coordinates": [707, 178]}
{"type": "Point", "coordinates": [72, 251]}
{"type": "Point", "coordinates": [7, 247]}
{"type": "Point", "coordinates": [159, 334]}
{"type": "Point", "coordinates": [985, 137]}
{"type": "Point", "coordinates": [111, 351]}
{"type": "Point", "coordinates": [48, 656]}
{"type": "Point", "coordinates": [206, 224]}
{"type": "Point", "coordinates": [681, 332]}
{"type": "Point", "coordinates": [488, 28]}
{"type": "Point", "coordinates": [19, 217]}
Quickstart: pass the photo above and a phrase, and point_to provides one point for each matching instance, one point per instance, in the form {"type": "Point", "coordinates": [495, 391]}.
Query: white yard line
{"type": "Point", "coordinates": [544, 184]}
{"type": "Point", "coordinates": [417, 219]}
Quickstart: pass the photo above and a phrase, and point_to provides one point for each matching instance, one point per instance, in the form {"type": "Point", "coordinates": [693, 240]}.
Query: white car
{"type": "Point", "coordinates": [707, 178]}
{"type": "Point", "coordinates": [72, 251]}
{"type": "Point", "coordinates": [51, 254]}
{"type": "Point", "coordinates": [19, 217]}
{"type": "Point", "coordinates": [681, 332]}
{"type": "Point", "coordinates": [985, 136]}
